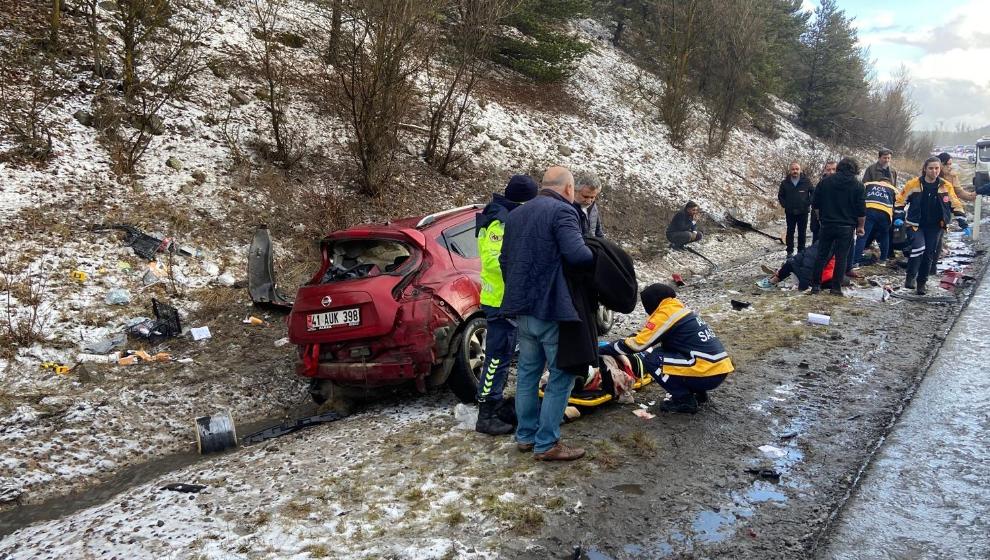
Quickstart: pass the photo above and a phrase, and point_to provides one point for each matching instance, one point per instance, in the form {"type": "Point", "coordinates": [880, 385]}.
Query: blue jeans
{"type": "Point", "coordinates": [878, 228]}
{"type": "Point", "coordinates": [539, 424]}
{"type": "Point", "coordinates": [500, 343]}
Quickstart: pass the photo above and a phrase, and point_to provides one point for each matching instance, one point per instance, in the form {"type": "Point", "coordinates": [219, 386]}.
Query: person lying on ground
{"type": "Point", "coordinates": [678, 349]}
{"type": "Point", "coordinates": [802, 266]}
{"type": "Point", "coordinates": [683, 228]}
{"type": "Point", "coordinates": [614, 375]}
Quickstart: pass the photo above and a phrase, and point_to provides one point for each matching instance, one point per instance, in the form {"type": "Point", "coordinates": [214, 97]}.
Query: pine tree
{"type": "Point", "coordinates": [543, 53]}
{"type": "Point", "coordinates": [832, 76]}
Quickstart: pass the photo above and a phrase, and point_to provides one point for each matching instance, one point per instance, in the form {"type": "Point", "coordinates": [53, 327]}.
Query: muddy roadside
{"type": "Point", "coordinates": [401, 481]}
{"type": "Point", "coordinates": [759, 473]}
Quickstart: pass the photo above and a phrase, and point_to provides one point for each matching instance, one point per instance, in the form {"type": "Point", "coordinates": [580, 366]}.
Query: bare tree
{"type": "Point", "coordinates": [29, 84]}
{"type": "Point", "coordinates": [731, 54]}
{"type": "Point", "coordinates": [471, 32]}
{"type": "Point", "coordinates": [55, 25]}
{"type": "Point", "coordinates": [275, 73]}
{"type": "Point", "coordinates": [97, 42]}
{"type": "Point", "coordinates": [170, 59]}
{"type": "Point", "coordinates": [380, 53]}
{"type": "Point", "coordinates": [670, 42]}
{"type": "Point", "coordinates": [136, 23]}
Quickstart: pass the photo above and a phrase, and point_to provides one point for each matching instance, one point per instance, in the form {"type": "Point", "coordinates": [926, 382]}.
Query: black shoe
{"type": "Point", "coordinates": [505, 409]}
{"type": "Point", "coordinates": [684, 405]}
{"type": "Point", "coordinates": [816, 289]}
{"type": "Point", "coordinates": [836, 292]}
{"type": "Point", "coordinates": [922, 289]}
{"type": "Point", "coordinates": [701, 396]}
{"type": "Point", "coordinates": [489, 422]}
{"type": "Point", "coordinates": [910, 283]}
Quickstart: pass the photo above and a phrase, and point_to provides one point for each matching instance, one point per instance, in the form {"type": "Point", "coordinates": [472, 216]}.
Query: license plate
{"type": "Point", "coordinates": [331, 319]}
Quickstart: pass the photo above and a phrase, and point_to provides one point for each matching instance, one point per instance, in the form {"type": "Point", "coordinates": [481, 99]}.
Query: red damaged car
{"type": "Point", "coordinates": [391, 304]}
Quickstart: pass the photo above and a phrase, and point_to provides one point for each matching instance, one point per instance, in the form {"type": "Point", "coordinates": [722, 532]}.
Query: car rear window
{"type": "Point", "coordinates": [365, 258]}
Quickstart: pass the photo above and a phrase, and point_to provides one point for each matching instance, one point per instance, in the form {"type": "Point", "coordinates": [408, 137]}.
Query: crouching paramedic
{"type": "Point", "coordinates": [678, 349]}
{"type": "Point", "coordinates": [500, 339]}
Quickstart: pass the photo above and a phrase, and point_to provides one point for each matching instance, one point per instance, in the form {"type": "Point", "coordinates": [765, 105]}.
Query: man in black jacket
{"type": "Point", "coordinates": [794, 196]}
{"type": "Point", "coordinates": [683, 228]}
{"type": "Point", "coordinates": [815, 224]}
{"type": "Point", "coordinates": [841, 204]}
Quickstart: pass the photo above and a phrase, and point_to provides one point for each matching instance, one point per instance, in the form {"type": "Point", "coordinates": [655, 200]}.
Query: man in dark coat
{"type": "Point", "coordinates": [814, 223]}
{"type": "Point", "coordinates": [882, 170]}
{"type": "Point", "coordinates": [794, 196]}
{"type": "Point", "coordinates": [841, 205]}
{"type": "Point", "coordinates": [683, 226]}
{"type": "Point", "coordinates": [540, 237]}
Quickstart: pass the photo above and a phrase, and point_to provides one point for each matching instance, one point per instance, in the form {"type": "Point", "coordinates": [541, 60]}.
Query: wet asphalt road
{"type": "Point", "coordinates": [927, 492]}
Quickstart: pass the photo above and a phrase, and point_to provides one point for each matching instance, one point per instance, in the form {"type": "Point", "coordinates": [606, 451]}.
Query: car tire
{"type": "Point", "coordinates": [605, 318]}
{"type": "Point", "coordinates": [470, 358]}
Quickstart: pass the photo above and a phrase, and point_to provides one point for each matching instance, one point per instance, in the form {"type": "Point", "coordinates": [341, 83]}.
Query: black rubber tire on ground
{"type": "Point", "coordinates": [470, 358]}
{"type": "Point", "coordinates": [605, 318]}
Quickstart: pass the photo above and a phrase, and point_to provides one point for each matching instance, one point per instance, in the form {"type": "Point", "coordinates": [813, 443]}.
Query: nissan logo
{"type": "Point", "coordinates": [326, 301]}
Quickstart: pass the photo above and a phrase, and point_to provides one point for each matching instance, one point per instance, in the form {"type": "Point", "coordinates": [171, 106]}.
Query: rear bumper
{"type": "Point", "coordinates": [371, 374]}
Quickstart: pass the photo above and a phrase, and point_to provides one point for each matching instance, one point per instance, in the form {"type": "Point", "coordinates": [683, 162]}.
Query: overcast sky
{"type": "Point", "coordinates": [945, 47]}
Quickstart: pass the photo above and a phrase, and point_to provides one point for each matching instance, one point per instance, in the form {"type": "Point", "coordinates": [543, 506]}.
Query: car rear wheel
{"type": "Point", "coordinates": [331, 397]}
{"type": "Point", "coordinates": [463, 381]}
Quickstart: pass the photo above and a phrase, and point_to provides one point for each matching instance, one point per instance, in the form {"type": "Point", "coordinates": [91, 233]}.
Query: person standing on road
{"type": "Point", "coordinates": [880, 197]}
{"type": "Point", "coordinates": [678, 349]}
{"type": "Point", "coordinates": [882, 170]}
{"type": "Point", "coordinates": [841, 203]}
{"type": "Point", "coordinates": [949, 174]}
{"type": "Point", "coordinates": [931, 203]}
{"type": "Point", "coordinates": [540, 237]}
{"type": "Point", "coordinates": [500, 339]}
{"type": "Point", "coordinates": [815, 223]}
{"type": "Point", "coordinates": [683, 226]}
{"type": "Point", "coordinates": [587, 189]}
{"type": "Point", "coordinates": [794, 196]}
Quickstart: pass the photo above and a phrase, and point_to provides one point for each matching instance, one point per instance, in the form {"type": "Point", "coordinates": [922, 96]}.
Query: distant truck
{"type": "Point", "coordinates": [982, 175]}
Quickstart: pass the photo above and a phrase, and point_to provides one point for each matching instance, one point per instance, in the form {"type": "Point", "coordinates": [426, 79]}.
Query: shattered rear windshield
{"type": "Point", "coordinates": [365, 258]}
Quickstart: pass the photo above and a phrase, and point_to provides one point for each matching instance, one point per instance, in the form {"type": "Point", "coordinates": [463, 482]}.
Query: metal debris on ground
{"type": "Point", "coordinates": [144, 245]}
{"type": "Point", "coordinates": [739, 305]}
{"type": "Point", "coordinates": [765, 474]}
{"type": "Point", "coordinates": [166, 323]}
{"type": "Point", "coordinates": [289, 427]}
{"type": "Point", "coordinates": [215, 433]}
{"type": "Point", "coordinates": [678, 281]}
{"type": "Point", "coordinates": [185, 488]}
{"type": "Point", "coordinates": [79, 276]}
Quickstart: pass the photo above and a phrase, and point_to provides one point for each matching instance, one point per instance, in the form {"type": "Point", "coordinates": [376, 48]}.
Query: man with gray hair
{"type": "Point", "coordinates": [540, 236]}
{"type": "Point", "coordinates": [587, 188]}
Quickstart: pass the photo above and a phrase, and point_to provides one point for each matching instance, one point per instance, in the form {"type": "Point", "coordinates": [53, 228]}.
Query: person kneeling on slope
{"type": "Point", "coordinates": [683, 228]}
{"type": "Point", "coordinates": [801, 265]}
{"type": "Point", "coordinates": [678, 349]}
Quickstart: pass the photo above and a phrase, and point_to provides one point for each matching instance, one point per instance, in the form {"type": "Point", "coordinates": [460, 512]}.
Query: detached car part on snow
{"type": "Point", "coordinates": [391, 304]}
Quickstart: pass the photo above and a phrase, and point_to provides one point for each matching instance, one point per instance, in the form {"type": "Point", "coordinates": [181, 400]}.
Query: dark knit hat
{"type": "Point", "coordinates": [521, 188]}
{"type": "Point", "coordinates": [653, 294]}
{"type": "Point", "coordinates": [944, 157]}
